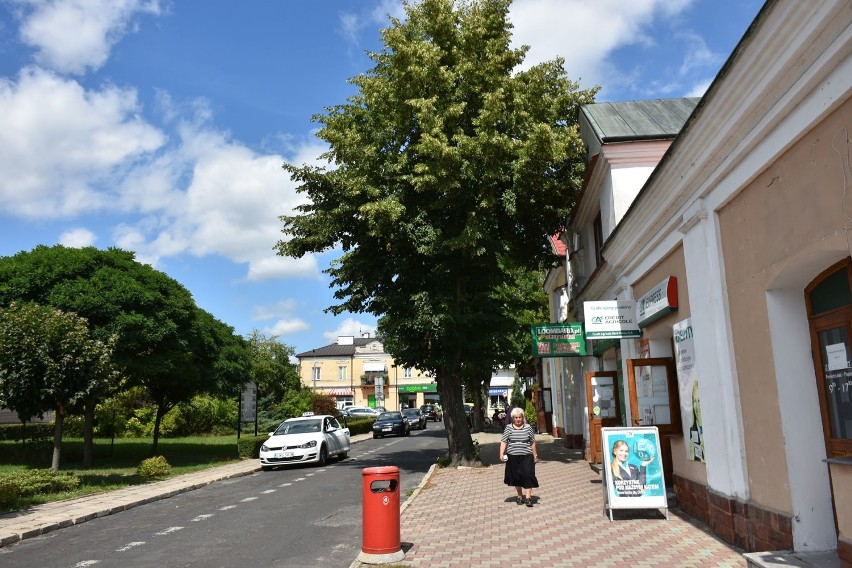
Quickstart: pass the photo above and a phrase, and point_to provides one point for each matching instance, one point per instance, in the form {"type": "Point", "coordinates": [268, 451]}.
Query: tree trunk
{"type": "Point", "coordinates": [57, 437]}
{"type": "Point", "coordinates": [157, 420]}
{"type": "Point", "coordinates": [458, 434]}
{"type": "Point", "coordinates": [88, 432]}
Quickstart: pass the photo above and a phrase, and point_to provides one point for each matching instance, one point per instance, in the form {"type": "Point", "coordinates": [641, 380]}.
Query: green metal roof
{"type": "Point", "coordinates": [638, 120]}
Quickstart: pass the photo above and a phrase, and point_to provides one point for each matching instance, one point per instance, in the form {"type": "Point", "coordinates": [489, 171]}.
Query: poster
{"type": "Point", "coordinates": [687, 380]}
{"type": "Point", "coordinates": [633, 468]}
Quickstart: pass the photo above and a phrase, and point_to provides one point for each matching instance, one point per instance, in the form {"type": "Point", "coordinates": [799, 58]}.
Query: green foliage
{"type": "Point", "coordinates": [156, 466]}
{"type": "Point", "coordinates": [249, 446]}
{"type": "Point", "coordinates": [323, 404]}
{"type": "Point", "coordinates": [29, 482]}
{"type": "Point", "coordinates": [449, 167]}
{"type": "Point", "coordinates": [362, 425]}
{"type": "Point", "coordinates": [164, 343]}
{"type": "Point", "coordinates": [296, 402]}
{"type": "Point", "coordinates": [271, 368]}
{"type": "Point", "coordinates": [530, 413]}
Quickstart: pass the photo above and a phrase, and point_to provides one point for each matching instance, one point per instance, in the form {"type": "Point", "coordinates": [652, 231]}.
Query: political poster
{"type": "Point", "coordinates": [633, 469]}
{"type": "Point", "coordinates": [687, 380]}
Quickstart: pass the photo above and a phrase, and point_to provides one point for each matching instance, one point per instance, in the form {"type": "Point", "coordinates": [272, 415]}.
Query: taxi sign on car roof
{"type": "Point", "coordinates": [307, 414]}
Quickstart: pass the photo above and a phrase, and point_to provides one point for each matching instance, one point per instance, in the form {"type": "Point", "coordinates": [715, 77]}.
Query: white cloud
{"type": "Point", "coordinates": [279, 309]}
{"type": "Point", "coordinates": [286, 327]}
{"type": "Point", "coordinates": [59, 144]}
{"type": "Point", "coordinates": [350, 326]}
{"type": "Point", "coordinates": [77, 238]}
{"type": "Point", "coordinates": [586, 34]}
{"type": "Point", "coordinates": [71, 36]}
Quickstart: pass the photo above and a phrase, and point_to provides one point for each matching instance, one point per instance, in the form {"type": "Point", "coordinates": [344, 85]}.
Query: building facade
{"type": "Point", "coordinates": [737, 245]}
{"type": "Point", "coordinates": [358, 372]}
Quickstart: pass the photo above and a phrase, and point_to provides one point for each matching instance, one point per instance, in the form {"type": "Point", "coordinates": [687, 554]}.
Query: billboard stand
{"type": "Point", "coordinates": [632, 472]}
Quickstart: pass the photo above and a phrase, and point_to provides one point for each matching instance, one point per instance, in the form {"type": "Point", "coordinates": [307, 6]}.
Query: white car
{"type": "Point", "coordinates": [355, 411]}
{"type": "Point", "coordinates": [308, 439]}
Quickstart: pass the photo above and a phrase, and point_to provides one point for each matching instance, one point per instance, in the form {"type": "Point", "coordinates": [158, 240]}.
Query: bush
{"type": "Point", "coordinates": [154, 467]}
{"type": "Point", "coordinates": [249, 446]}
{"type": "Point", "coordinates": [31, 482]}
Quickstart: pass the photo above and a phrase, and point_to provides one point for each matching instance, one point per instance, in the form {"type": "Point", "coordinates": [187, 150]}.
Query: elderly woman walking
{"type": "Point", "coordinates": [519, 448]}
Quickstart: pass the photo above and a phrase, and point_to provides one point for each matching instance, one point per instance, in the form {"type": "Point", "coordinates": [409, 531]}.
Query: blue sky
{"type": "Point", "coordinates": [160, 126]}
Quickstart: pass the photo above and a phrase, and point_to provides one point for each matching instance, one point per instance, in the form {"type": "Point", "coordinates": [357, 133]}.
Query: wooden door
{"type": "Point", "coordinates": [655, 401]}
{"type": "Point", "coordinates": [602, 400]}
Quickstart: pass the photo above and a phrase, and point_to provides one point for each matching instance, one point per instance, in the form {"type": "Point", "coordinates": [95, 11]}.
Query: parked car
{"type": "Point", "coordinates": [362, 411]}
{"type": "Point", "coordinates": [416, 419]}
{"type": "Point", "coordinates": [308, 439]}
{"type": "Point", "coordinates": [389, 423]}
{"type": "Point", "coordinates": [432, 413]}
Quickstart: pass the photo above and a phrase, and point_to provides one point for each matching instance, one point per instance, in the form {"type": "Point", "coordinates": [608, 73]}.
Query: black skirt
{"type": "Point", "coordinates": [520, 471]}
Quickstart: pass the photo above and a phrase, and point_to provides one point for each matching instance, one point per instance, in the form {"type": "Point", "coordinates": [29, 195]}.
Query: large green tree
{"type": "Point", "coordinates": [164, 342]}
{"type": "Point", "coordinates": [48, 361]}
{"type": "Point", "coordinates": [448, 165]}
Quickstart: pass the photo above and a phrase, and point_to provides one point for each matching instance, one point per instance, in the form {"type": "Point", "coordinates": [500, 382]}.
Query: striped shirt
{"type": "Point", "coordinates": [518, 440]}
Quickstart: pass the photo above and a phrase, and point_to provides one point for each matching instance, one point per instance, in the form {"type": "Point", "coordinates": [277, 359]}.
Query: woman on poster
{"type": "Point", "coordinates": [627, 478]}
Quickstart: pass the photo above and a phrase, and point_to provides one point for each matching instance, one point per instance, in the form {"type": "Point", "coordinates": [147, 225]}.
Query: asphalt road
{"type": "Point", "coordinates": [296, 516]}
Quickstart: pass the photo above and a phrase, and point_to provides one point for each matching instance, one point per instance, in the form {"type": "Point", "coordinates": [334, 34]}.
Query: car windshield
{"type": "Point", "coordinates": [411, 412]}
{"type": "Point", "coordinates": [389, 416]}
{"type": "Point", "coordinates": [299, 427]}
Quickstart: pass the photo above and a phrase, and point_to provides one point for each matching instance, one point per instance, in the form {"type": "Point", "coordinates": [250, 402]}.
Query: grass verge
{"type": "Point", "coordinates": [114, 464]}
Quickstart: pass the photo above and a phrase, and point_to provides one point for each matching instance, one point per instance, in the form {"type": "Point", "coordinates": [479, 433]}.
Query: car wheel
{"type": "Point", "coordinates": [323, 456]}
{"type": "Point", "coordinates": [342, 456]}
{"type": "Point", "coordinates": [265, 467]}
{"type": "Point", "coordinates": [375, 436]}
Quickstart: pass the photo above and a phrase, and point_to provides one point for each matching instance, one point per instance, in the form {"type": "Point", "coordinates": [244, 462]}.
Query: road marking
{"type": "Point", "coordinates": [247, 499]}
{"type": "Point", "coordinates": [202, 518]}
{"type": "Point", "coordinates": [169, 531]}
{"type": "Point", "coordinates": [299, 479]}
{"type": "Point", "coordinates": [227, 507]}
{"type": "Point", "coordinates": [128, 546]}
{"type": "Point", "coordinates": [285, 485]}
{"type": "Point", "coordinates": [309, 475]}
{"type": "Point", "coordinates": [87, 563]}
{"type": "Point", "coordinates": [268, 491]}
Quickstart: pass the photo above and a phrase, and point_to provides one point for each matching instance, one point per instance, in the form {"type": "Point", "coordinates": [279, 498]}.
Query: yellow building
{"type": "Point", "coordinates": [358, 372]}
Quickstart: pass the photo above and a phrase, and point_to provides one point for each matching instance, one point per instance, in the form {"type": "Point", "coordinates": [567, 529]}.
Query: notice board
{"type": "Point", "coordinates": [632, 470]}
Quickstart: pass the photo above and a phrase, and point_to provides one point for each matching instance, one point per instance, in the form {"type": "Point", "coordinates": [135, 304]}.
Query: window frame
{"type": "Point", "coordinates": [838, 317]}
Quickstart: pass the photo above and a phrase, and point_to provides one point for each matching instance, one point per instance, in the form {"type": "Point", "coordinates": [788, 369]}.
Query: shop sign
{"type": "Point", "coordinates": [558, 340]}
{"type": "Point", "coordinates": [417, 388]}
{"type": "Point", "coordinates": [498, 392]}
{"type": "Point", "coordinates": [660, 301]}
{"type": "Point", "coordinates": [614, 319]}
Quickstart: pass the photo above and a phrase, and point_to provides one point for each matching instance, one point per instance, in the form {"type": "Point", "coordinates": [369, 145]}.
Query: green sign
{"type": "Point", "coordinates": [558, 340]}
{"type": "Point", "coordinates": [417, 388]}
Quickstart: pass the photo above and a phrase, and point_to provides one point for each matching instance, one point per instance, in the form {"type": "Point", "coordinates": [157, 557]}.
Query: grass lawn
{"type": "Point", "coordinates": [114, 463]}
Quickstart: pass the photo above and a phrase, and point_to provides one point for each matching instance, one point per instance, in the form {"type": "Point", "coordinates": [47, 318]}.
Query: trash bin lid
{"type": "Point", "coordinates": [384, 470]}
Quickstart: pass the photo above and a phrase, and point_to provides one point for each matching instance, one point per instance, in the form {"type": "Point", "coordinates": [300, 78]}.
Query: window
{"type": "Point", "coordinates": [316, 374]}
{"type": "Point", "coordinates": [341, 373]}
{"type": "Point", "coordinates": [829, 302]}
{"type": "Point", "coordinates": [597, 227]}
{"type": "Point", "coordinates": [406, 373]}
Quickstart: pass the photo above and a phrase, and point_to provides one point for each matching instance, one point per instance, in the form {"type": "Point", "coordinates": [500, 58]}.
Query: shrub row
{"type": "Point", "coordinates": [31, 482]}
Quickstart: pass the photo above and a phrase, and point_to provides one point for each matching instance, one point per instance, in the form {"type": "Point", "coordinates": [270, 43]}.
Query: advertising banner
{"type": "Point", "coordinates": [687, 380]}
{"type": "Point", "coordinates": [611, 319]}
{"type": "Point", "coordinates": [558, 340]}
{"type": "Point", "coordinates": [633, 469]}
{"type": "Point", "coordinates": [248, 403]}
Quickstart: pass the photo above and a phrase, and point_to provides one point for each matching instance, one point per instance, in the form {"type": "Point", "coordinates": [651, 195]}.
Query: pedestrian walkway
{"type": "Point", "coordinates": [468, 517]}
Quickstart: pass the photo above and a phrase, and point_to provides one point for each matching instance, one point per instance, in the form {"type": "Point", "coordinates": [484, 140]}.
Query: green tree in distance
{"type": "Point", "coordinates": [48, 361]}
{"type": "Point", "coordinates": [448, 165]}
{"type": "Point", "coordinates": [163, 341]}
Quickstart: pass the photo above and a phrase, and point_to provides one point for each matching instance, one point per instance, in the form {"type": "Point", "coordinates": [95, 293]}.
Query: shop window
{"type": "Point", "coordinates": [829, 303]}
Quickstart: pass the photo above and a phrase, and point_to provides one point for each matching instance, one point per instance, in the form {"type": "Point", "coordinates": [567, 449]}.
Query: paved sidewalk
{"type": "Point", "coordinates": [468, 517]}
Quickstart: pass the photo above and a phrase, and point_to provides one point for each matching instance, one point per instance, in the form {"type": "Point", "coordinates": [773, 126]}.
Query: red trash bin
{"type": "Point", "coordinates": [380, 511]}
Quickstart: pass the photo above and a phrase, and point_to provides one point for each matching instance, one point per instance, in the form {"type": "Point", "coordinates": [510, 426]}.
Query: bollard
{"type": "Point", "coordinates": [380, 516]}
